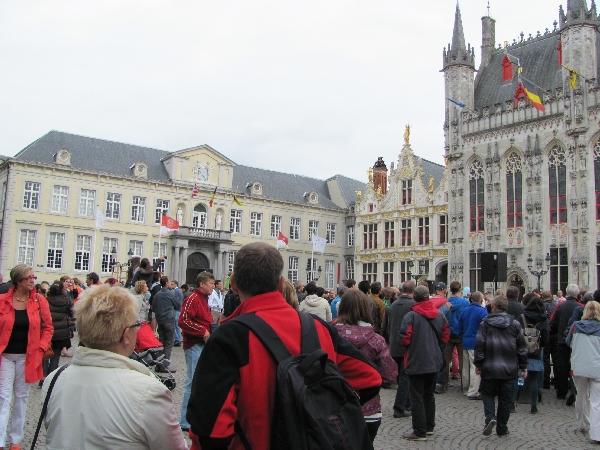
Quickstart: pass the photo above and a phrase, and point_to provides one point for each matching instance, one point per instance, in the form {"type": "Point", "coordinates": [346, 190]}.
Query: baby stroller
{"type": "Point", "coordinates": [149, 352]}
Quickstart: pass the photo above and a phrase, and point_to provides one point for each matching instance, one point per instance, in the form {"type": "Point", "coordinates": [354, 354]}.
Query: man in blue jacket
{"type": "Point", "coordinates": [468, 324]}
{"type": "Point", "coordinates": [457, 304]}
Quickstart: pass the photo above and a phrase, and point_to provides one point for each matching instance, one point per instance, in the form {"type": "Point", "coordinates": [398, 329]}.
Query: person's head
{"type": "Point", "coordinates": [588, 297]}
{"type": "Point", "coordinates": [111, 281]}
{"type": "Point", "coordinates": [389, 293]}
{"type": "Point", "coordinates": [477, 297]}
{"type": "Point", "coordinates": [185, 288]}
{"type": "Point", "coordinates": [499, 304]}
{"type": "Point", "coordinates": [440, 288]}
{"type": "Point", "coordinates": [455, 288]}
{"type": "Point", "coordinates": [164, 281]}
{"type": "Point", "coordinates": [591, 311]}
{"type": "Point", "coordinates": [175, 283]}
{"type": "Point", "coordinates": [22, 277]}
{"type": "Point", "coordinates": [572, 290]}
{"type": "Point", "coordinates": [559, 293]}
{"type": "Point", "coordinates": [364, 286]}
{"type": "Point", "coordinates": [546, 296]}
{"type": "Point", "coordinates": [289, 293]}
{"type": "Point", "coordinates": [107, 319]}
{"type": "Point", "coordinates": [512, 293]}
{"type": "Point", "coordinates": [56, 289]}
{"type": "Point", "coordinates": [77, 282]}
{"type": "Point", "coordinates": [354, 307]}
{"type": "Point", "coordinates": [535, 304]}
{"type": "Point", "coordinates": [92, 278]}
{"type": "Point", "coordinates": [466, 292]}
{"type": "Point", "coordinates": [67, 282]}
{"type": "Point", "coordinates": [375, 288]}
{"type": "Point", "coordinates": [205, 282]}
{"type": "Point", "coordinates": [421, 294]}
{"type": "Point", "coordinates": [311, 288]}
{"type": "Point", "coordinates": [145, 263]}
{"type": "Point", "coordinates": [320, 291]}
{"type": "Point", "coordinates": [341, 290]}
{"type": "Point", "coordinates": [219, 285]}
{"type": "Point", "coordinates": [299, 286]}
{"type": "Point", "coordinates": [257, 269]}
{"type": "Point", "coordinates": [350, 284]}
{"type": "Point", "coordinates": [140, 287]}
{"type": "Point", "coordinates": [45, 285]}
{"type": "Point", "coordinates": [408, 287]}
{"type": "Point", "coordinates": [40, 290]}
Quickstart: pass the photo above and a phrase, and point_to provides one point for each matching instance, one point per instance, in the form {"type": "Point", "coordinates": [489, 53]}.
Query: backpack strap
{"type": "Point", "coordinates": [266, 335]}
{"type": "Point", "coordinates": [310, 338]}
{"type": "Point", "coordinates": [525, 324]}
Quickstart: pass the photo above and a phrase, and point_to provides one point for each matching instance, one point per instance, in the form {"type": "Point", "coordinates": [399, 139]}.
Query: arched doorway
{"type": "Point", "coordinates": [516, 280]}
{"type": "Point", "coordinates": [199, 216]}
{"type": "Point", "coordinates": [197, 262]}
{"type": "Point", "coordinates": [441, 272]}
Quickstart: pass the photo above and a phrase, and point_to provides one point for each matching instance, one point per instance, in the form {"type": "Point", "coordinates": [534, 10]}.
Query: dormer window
{"type": "Point", "coordinates": [257, 188]}
{"type": "Point", "coordinates": [140, 170]}
{"type": "Point", "coordinates": [311, 197]}
{"type": "Point", "coordinates": [63, 157]}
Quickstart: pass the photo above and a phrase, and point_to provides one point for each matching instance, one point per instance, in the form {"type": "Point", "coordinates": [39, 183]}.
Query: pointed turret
{"type": "Point", "coordinates": [457, 52]}
{"type": "Point", "coordinates": [578, 13]}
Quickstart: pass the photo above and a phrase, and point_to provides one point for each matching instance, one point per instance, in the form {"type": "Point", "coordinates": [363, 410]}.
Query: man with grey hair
{"type": "Point", "coordinates": [424, 335]}
{"type": "Point", "coordinates": [558, 325]}
{"type": "Point", "coordinates": [500, 357]}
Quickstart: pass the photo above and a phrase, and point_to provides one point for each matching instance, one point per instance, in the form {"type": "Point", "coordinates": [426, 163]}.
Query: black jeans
{"type": "Point", "coordinates": [535, 380]}
{"type": "Point", "coordinates": [562, 367]}
{"type": "Point", "coordinates": [402, 402]}
{"type": "Point", "coordinates": [166, 334]}
{"type": "Point", "coordinates": [422, 400]}
{"type": "Point", "coordinates": [372, 428]}
{"type": "Point", "coordinates": [549, 350]}
{"type": "Point", "coordinates": [503, 389]}
{"type": "Point", "coordinates": [444, 376]}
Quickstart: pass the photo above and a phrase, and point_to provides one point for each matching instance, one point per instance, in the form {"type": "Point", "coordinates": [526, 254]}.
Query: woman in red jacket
{"type": "Point", "coordinates": [25, 336]}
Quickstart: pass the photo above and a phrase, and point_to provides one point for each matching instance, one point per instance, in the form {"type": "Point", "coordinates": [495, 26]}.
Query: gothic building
{"type": "Point", "coordinates": [402, 222]}
{"type": "Point", "coordinates": [524, 181]}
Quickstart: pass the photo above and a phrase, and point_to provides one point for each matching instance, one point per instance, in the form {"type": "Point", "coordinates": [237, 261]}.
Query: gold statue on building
{"type": "Point", "coordinates": [407, 135]}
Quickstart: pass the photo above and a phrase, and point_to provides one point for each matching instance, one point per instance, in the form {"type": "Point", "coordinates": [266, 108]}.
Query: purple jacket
{"type": "Point", "coordinates": [374, 348]}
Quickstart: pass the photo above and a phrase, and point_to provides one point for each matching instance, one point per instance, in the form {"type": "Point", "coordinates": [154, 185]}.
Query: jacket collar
{"type": "Point", "coordinates": [262, 302]}
{"type": "Point", "coordinates": [85, 356]}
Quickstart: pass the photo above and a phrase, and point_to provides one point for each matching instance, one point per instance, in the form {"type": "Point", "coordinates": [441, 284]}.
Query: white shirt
{"type": "Point", "coordinates": [215, 300]}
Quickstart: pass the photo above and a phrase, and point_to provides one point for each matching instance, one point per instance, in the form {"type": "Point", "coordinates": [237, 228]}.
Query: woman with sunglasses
{"type": "Point", "coordinates": [25, 336]}
{"type": "Point", "coordinates": [110, 400]}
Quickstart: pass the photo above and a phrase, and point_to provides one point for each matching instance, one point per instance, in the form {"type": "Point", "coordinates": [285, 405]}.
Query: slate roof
{"type": "Point", "coordinates": [348, 187]}
{"type": "Point", "coordinates": [116, 158]}
{"type": "Point", "coordinates": [539, 59]}
{"type": "Point", "coordinates": [431, 169]}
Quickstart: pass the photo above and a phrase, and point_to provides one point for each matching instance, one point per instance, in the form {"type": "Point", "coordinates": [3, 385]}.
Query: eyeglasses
{"type": "Point", "coordinates": [30, 277]}
{"type": "Point", "coordinates": [137, 324]}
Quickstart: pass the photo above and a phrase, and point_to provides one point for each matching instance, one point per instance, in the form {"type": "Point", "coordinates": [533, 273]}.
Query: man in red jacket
{"type": "Point", "coordinates": [233, 394]}
{"type": "Point", "coordinates": [194, 320]}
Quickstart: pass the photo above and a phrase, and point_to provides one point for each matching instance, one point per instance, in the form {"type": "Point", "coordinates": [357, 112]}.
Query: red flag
{"type": "Point", "coordinates": [168, 224]}
{"type": "Point", "coordinates": [519, 93]}
{"type": "Point", "coordinates": [282, 240]}
{"type": "Point", "coordinates": [195, 191]}
{"type": "Point", "coordinates": [559, 50]}
{"type": "Point", "coordinates": [507, 72]}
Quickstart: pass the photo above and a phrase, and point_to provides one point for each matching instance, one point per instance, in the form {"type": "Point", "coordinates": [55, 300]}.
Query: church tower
{"type": "Point", "coordinates": [578, 38]}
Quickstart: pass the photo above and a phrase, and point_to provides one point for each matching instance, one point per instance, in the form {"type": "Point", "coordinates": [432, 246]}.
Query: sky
{"type": "Point", "coordinates": [312, 87]}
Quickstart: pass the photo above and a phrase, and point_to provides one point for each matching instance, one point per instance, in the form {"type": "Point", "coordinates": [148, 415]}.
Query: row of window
{"type": "Point", "coordinates": [325, 277]}
{"type": "Point", "coordinates": [82, 257]}
{"type": "Point", "coordinates": [406, 271]}
{"type": "Point", "coordinates": [389, 235]}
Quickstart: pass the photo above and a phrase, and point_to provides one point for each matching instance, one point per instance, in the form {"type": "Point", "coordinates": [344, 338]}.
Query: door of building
{"type": "Point", "coordinates": [197, 262]}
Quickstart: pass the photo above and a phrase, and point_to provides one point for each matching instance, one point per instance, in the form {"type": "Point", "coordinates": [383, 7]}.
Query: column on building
{"type": "Point", "coordinates": [175, 270]}
{"type": "Point", "coordinates": [183, 264]}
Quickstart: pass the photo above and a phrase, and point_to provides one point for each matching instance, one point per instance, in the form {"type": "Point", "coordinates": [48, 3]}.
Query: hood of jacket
{"type": "Point", "coordinates": [499, 320]}
{"type": "Point", "coordinates": [357, 335]}
{"type": "Point", "coordinates": [85, 356]}
{"type": "Point", "coordinates": [313, 300]}
{"type": "Point", "coordinates": [591, 327]}
{"type": "Point", "coordinates": [427, 309]}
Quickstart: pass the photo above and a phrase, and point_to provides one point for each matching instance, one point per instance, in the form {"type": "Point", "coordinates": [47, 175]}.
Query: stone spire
{"type": "Point", "coordinates": [578, 13]}
{"type": "Point", "coordinates": [457, 52]}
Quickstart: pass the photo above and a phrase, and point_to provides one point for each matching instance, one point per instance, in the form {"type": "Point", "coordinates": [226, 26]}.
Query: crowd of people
{"type": "Point", "coordinates": [253, 341]}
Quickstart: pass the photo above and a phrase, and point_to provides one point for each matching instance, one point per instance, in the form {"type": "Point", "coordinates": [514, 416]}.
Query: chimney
{"type": "Point", "coordinates": [380, 173]}
{"type": "Point", "coordinates": [488, 40]}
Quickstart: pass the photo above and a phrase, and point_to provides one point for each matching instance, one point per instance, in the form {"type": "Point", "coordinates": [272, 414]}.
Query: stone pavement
{"type": "Point", "coordinates": [458, 422]}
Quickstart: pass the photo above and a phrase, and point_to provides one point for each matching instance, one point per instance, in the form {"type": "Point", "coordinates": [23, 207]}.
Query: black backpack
{"type": "Point", "coordinates": [315, 408]}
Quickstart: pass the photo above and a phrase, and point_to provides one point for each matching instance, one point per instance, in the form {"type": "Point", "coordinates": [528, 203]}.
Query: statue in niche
{"type": "Point", "coordinates": [528, 227]}
{"type": "Point", "coordinates": [538, 218]}
{"type": "Point", "coordinates": [583, 222]}
{"type": "Point", "coordinates": [582, 159]}
{"type": "Point", "coordinates": [579, 106]}
{"type": "Point", "coordinates": [180, 215]}
{"type": "Point", "coordinates": [218, 220]}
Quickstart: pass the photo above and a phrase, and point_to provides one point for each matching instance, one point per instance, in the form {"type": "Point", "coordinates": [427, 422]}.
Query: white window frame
{"type": "Point", "coordinates": [138, 209]}
{"type": "Point", "coordinates": [162, 207]}
{"type": "Point", "coordinates": [31, 195]}
{"type": "Point", "coordinates": [312, 265]}
{"type": "Point", "coordinates": [295, 228]}
{"type": "Point", "coordinates": [370, 272]}
{"type": "Point", "coordinates": [200, 218]}
{"type": "Point", "coordinates": [157, 253]}
{"type": "Point", "coordinates": [108, 258]}
{"type": "Point", "coordinates": [349, 268]}
{"type": "Point", "coordinates": [26, 247]}
{"type": "Point", "coordinates": [256, 223]}
{"type": "Point", "coordinates": [83, 253]}
{"type": "Point", "coordinates": [113, 205]}
{"type": "Point", "coordinates": [87, 203]}
{"type": "Point", "coordinates": [313, 228]}
{"type": "Point", "coordinates": [60, 199]}
{"type": "Point", "coordinates": [350, 235]}
{"type": "Point", "coordinates": [137, 247]}
{"type": "Point", "coordinates": [230, 260]}
{"type": "Point", "coordinates": [235, 221]}
{"type": "Point", "coordinates": [56, 250]}
{"type": "Point", "coordinates": [293, 263]}
{"type": "Point", "coordinates": [329, 274]}
{"type": "Point", "coordinates": [388, 273]}
{"type": "Point", "coordinates": [275, 225]}
{"type": "Point", "coordinates": [330, 235]}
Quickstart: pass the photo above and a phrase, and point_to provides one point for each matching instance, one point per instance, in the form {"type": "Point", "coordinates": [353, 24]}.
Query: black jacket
{"type": "Point", "coordinates": [61, 308]}
{"type": "Point", "coordinates": [515, 309]}
{"type": "Point", "coordinates": [398, 310]}
{"type": "Point", "coordinates": [230, 303]}
{"type": "Point", "coordinates": [560, 319]}
{"type": "Point", "coordinates": [500, 349]}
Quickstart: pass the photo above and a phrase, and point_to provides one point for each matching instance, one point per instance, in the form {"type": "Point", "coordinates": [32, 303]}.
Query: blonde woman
{"type": "Point", "coordinates": [142, 295]}
{"type": "Point", "coordinates": [289, 293]}
{"type": "Point", "coordinates": [129, 406]}
{"type": "Point", "coordinates": [584, 340]}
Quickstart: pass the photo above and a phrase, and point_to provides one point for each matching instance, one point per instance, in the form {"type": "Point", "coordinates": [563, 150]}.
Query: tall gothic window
{"type": "Point", "coordinates": [597, 178]}
{"type": "Point", "coordinates": [557, 181]}
{"type": "Point", "coordinates": [559, 269]}
{"type": "Point", "coordinates": [514, 194]}
{"type": "Point", "coordinates": [476, 193]}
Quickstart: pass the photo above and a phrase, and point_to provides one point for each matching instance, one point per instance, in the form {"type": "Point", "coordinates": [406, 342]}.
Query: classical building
{"type": "Point", "coordinates": [72, 204]}
{"type": "Point", "coordinates": [402, 221]}
{"type": "Point", "coordinates": [524, 181]}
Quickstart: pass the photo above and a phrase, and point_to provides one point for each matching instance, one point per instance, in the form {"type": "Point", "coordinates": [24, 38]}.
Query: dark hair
{"type": "Point", "coordinates": [535, 304]}
{"type": "Point", "coordinates": [364, 286]}
{"type": "Point", "coordinates": [93, 277]}
{"type": "Point", "coordinates": [144, 263]}
{"type": "Point", "coordinates": [455, 287]}
{"type": "Point", "coordinates": [350, 283]}
{"type": "Point", "coordinates": [185, 287]}
{"type": "Point", "coordinates": [512, 293]}
{"type": "Point", "coordinates": [320, 291]}
{"type": "Point", "coordinates": [375, 287]}
{"type": "Point", "coordinates": [56, 289]}
{"type": "Point", "coordinates": [217, 281]}
{"type": "Point", "coordinates": [597, 295]}
{"type": "Point", "coordinates": [354, 306]}
{"type": "Point", "coordinates": [310, 288]}
{"type": "Point", "coordinates": [340, 290]}
{"type": "Point", "coordinates": [203, 277]}
{"type": "Point", "coordinates": [164, 281]}
{"type": "Point", "coordinates": [257, 268]}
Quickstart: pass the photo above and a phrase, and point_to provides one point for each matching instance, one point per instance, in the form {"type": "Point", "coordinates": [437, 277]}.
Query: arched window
{"type": "Point", "coordinates": [476, 196]}
{"type": "Point", "coordinates": [514, 194]}
{"type": "Point", "coordinates": [199, 216]}
{"type": "Point", "coordinates": [557, 182]}
{"type": "Point", "coordinates": [597, 178]}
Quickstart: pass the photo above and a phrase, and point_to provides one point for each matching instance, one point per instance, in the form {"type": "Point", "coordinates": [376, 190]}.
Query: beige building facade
{"type": "Point", "coordinates": [72, 205]}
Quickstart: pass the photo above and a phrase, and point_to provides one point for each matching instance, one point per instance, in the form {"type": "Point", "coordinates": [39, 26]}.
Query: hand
{"type": "Point", "coordinates": [48, 353]}
{"type": "Point", "coordinates": [206, 335]}
{"type": "Point", "coordinates": [477, 370]}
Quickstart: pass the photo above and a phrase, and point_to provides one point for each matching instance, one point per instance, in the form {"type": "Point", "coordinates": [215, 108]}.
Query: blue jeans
{"type": "Point", "coordinates": [178, 337]}
{"type": "Point", "coordinates": [192, 355]}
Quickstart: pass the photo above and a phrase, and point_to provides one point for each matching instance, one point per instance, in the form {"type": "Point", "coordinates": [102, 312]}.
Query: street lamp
{"type": "Point", "coordinates": [416, 276]}
{"type": "Point", "coordinates": [539, 271]}
{"type": "Point", "coordinates": [319, 270]}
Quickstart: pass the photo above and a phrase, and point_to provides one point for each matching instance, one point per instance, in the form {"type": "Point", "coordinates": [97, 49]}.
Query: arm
{"type": "Point", "coordinates": [161, 427]}
{"type": "Point", "coordinates": [47, 328]}
{"type": "Point", "coordinates": [188, 322]}
{"type": "Point", "coordinates": [569, 338]}
{"type": "Point", "coordinates": [387, 365]}
{"type": "Point", "coordinates": [521, 346]}
{"type": "Point", "coordinates": [328, 317]}
{"type": "Point", "coordinates": [480, 344]}
{"type": "Point", "coordinates": [406, 330]}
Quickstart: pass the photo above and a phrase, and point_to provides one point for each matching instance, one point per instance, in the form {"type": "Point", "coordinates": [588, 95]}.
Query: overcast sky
{"type": "Point", "coordinates": [314, 87]}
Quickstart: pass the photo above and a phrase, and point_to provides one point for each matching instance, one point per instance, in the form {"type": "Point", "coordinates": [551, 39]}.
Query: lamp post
{"type": "Point", "coordinates": [319, 270]}
{"type": "Point", "coordinates": [416, 276]}
{"type": "Point", "coordinates": [540, 269]}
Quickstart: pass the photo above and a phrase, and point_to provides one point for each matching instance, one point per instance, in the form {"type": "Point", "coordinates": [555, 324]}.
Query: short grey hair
{"type": "Point", "coordinates": [421, 294]}
{"type": "Point", "coordinates": [408, 287]}
{"type": "Point", "coordinates": [572, 290]}
{"type": "Point", "coordinates": [477, 297]}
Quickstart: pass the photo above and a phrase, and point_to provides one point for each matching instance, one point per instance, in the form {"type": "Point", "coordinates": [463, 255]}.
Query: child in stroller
{"type": "Point", "coordinates": [149, 352]}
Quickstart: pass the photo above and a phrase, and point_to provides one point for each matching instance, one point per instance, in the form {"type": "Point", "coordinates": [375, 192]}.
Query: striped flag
{"type": "Point", "coordinates": [195, 191]}
{"type": "Point", "coordinates": [211, 202]}
{"type": "Point", "coordinates": [523, 91]}
{"type": "Point", "coordinates": [456, 102]}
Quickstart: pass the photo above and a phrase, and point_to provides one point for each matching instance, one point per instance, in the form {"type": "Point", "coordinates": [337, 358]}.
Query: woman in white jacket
{"type": "Point", "coordinates": [313, 304]}
{"type": "Point", "coordinates": [104, 399]}
{"type": "Point", "coordinates": [584, 339]}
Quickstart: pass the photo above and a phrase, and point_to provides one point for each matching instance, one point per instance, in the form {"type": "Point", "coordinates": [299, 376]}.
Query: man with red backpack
{"type": "Point", "coordinates": [236, 396]}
